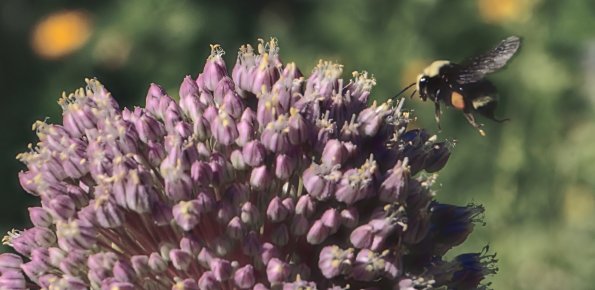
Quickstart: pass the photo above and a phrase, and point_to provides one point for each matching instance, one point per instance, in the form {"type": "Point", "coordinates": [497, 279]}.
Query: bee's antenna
{"type": "Point", "coordinates": [403, 90]}
{"type": "Point", "coordinates": [412, 94]}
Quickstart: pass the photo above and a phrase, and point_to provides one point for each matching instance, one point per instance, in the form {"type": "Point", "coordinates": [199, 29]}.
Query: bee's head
{"type": "Point", "coordinates": [421, 86]}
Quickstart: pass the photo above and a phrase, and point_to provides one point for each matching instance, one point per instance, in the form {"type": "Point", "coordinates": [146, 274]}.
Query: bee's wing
{"type": "Point", "coordinates": [476, 68]}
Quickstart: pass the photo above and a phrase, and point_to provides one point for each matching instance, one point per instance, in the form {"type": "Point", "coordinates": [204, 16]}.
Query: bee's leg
{"type": "Point", "coordinates": [437, 113]}
{"type": "Point", "coordinates": [471, 119]}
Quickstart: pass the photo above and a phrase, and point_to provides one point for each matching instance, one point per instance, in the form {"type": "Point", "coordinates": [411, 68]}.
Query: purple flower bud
{"type": "Point", "coordinates": [40, 217]}
{"type": "Point", "coordinates": [360, 87]}
{"type": "Point", "coordinates": [361, 237]}
{"type": "Point", "coordinates": [254, 153]}
{"type": "Point", "coordinates": [350, 217]}
{"type": "Point", "coordinates": [73, 264]}
{"type": "Point", "coordinates": [249, 116]}
{"type": "Point", "coordinates": [107, 213]}
{"type": "Point", "coordinates": [275, 136]}
{"type": "Point", "coordinates": [305, 205]}
{"type": "Point", "coordinates": [260, 286]}
{"type": "Point", "coordinates": [260, 177]}
{"type": "Point", "coordinates": [222, 270]}
{"type": "Point", "coordinates": [176, 173]}
{"type": "Point", "coordinates": [205, 257]}
{"type": "Point", "coordinates": [180, 259]}
{"type": "Point", "coordinates": [189, 102]}
{"type": "Point", "coordinates": [224, 212]}
{"type": "Point", "coordinates": [284, 166]}
{"type": "Point", "coordinates": [77, 116]}
{"type": "Point", "coordinates": [140, 264]}
{"type": "Point", "coordinates": [186, 284]}
{"type": "Point", "coordinates": [9, 261]}
{"type": "Point", "coordinates": [201, 128]}
{"type": "Point", "coordinates": [391, 187]}
{"type": "Point", "coordinates": [289, 205]}
{"type": "Point", "coordinates": [124, 272]}
{"type": "Point", "coordinates": [187, 214]}
{"type": "Point", "coordinates": [157, 101]}
{"type": "Point", "coordinates": [62, 207]}
{"type": "Point", "coordinates": [235, 228]}
{"type": "Point", "coordinates": [298, 129]}
{"type": "Point", "coordinates": [249, 214]}
{"type": "Point", "coordinates": [117, 285]}
{"type": "Point", "coordinates": [221, 168]}
{"type": "Point", "coordinates": [237, 160]}
{"type": "Point", "coordinates": [211, 112]}
{"type": "Point", "coordinates": [334, 261]}
{"type": "Point", "coordinates": [56, 256]}
{"type": "Point", "coordinates": [357, 184]}
{"type": "Point", "coordinates": [14, 280]}
{"type": "Point", "coordinates": [156, 263]}
{"type": "Point", "coordinates": [245, 132]}
{"type": "Point", "coordinates": [148, 128]}
{"type": "Point", "coordinates": [201, 173]}
{"type": "Point", "coordinates": [224, 87]}
{"type": "Point", "coordinates": [317, 233]}
{"type": "Point", "coordinates": [277, 271]}
{"type": "Point", "coordinates": [331, 219]}
{"type": "Point", "coordinates": [334, 153]}
{"type": "Point", "coordinates": [214, 69]}
{"type": "Point", "coordinates": [371, 119]}
{"type": "Point", "coordinates": [190, 245]}
{"type": "Point", "coordinates": [224, 129]}
{"type": "Point", "coordinates": [244, 277]}
{"type": "Point", "coordinates": [276, 211]}
{"type": "Point", "coordinates": [101, 266]}
{"type": "Point", "coordinates": [208, 281]}
{"type": "Point", "coordinates": [26, 179]}
{"type": "Point", "coordinates": [268, 251]}
{"type": "Point", "coordinates": [324, 79]}
{"type": "Point", "coordinates": [320, 180]}
{"type": "Point", "coordinates": [367, 266]}
{"type": "Point", "coordinates": [243, 71]}
{"type": "Point", "coordinates": [34, 269]}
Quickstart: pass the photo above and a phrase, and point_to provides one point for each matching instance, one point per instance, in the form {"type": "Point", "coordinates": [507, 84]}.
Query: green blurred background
{"type": "Point", "coordinates": [535, 174]}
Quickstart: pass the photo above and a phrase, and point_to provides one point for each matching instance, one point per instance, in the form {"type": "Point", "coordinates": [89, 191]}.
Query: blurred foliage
{"type": "Point", "coordinates": [535, 174]}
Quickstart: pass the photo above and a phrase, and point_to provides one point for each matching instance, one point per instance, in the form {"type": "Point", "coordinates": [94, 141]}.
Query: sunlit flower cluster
{"type": "Point", "coordinates": [258, 178]}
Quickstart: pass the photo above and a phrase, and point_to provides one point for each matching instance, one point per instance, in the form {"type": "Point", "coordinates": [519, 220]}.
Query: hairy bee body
{"type": "Point", "coordinates": [463, 86]}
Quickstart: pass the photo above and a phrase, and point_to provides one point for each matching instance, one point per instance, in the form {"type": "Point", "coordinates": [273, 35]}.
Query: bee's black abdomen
{"type": "Point", "coordinates": [482, 97]}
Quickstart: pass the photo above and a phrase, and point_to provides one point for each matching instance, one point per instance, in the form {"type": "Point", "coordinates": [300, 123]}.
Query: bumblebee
{"type": "Point", "coordinates": [463, 86]}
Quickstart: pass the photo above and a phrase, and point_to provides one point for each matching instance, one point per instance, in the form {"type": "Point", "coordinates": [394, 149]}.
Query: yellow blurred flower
{"type": "Point", "coordinates": [61, 33]}
{"type": "Point", "coordinates": [502, 11]}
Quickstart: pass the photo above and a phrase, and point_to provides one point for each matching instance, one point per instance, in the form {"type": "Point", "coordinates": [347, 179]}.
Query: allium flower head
{"type": "Point", "coordinates": [259, 179]}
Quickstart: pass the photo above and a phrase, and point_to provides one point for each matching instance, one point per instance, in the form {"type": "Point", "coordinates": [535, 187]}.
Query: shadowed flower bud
{"type": "Point", "coordinates": [263, 180]}
{"type": "Point", "coordinates": [40, 217]}
{"type": "Point", "coordinates": [13, 280]}
{"type": "Point", "coordinates": [244, 277]}
{"type": "Point", "coordinates": [208, 281]}
{"type": "Point", "coordinates": [254, 153]}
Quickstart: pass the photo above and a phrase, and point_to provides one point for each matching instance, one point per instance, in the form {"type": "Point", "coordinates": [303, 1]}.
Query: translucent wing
{"type": "Point", "coordinates": [476, 68]}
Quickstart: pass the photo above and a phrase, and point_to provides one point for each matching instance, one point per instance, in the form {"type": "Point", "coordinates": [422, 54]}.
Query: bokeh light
{"type": "Point", "coordinates": [61, 33]}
